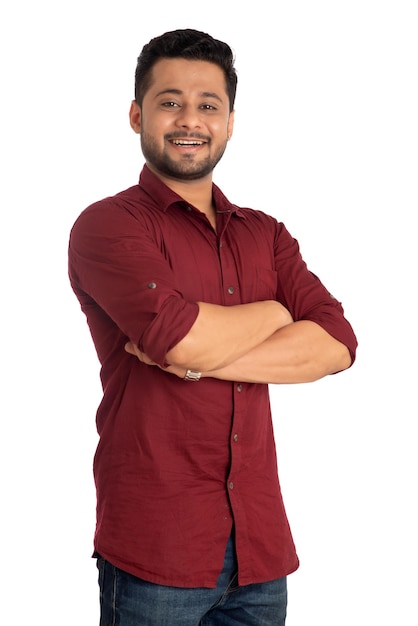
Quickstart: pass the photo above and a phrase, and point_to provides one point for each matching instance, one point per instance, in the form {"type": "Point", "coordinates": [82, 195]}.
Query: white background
{"type": "Point", "coordinates": [326, 140]}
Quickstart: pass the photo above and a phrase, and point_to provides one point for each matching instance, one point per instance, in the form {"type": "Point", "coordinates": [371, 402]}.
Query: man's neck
{"type": "Point", "coordinates": [196, 192]}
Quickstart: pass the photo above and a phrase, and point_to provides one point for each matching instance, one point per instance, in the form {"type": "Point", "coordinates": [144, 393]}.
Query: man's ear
{"type": "Point", "coordinates": [231, 124]}
{"type": "Point", "coordinates": [135, 117]}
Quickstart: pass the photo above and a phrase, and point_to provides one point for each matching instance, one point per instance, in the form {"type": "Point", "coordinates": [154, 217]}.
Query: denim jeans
{"type": "Point", "coordinates": [129, 601]}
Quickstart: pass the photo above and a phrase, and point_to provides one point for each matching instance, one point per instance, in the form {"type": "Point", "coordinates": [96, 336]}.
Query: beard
{"type": "Point", "coordinates": [187, 167]}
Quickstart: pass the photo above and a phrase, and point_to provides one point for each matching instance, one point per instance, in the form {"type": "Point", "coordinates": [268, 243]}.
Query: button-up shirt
{"type": "Point", "coordinates": [178, 463]}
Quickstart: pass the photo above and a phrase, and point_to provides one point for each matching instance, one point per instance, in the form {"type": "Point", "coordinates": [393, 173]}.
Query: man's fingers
{"type": "Point", "coordinates": [130, 347]}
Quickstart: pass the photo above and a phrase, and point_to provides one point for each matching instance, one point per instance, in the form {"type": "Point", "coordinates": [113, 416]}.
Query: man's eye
{"type": "Point", "coordinates": [170, 104]}
{"type": "Point", "coordinates": [208, 107]}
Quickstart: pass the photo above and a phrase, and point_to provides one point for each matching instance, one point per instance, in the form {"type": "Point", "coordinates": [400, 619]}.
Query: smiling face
{"type": "Point", "coordinates": [184, 120]}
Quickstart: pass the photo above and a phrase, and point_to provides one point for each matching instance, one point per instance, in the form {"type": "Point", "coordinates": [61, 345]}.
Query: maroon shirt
{"type": "Point", "coordinates": [179, 463]}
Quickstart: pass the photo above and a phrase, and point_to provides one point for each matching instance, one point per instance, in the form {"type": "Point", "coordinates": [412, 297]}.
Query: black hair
{"type": "Point", "coordinates": [186, 44]}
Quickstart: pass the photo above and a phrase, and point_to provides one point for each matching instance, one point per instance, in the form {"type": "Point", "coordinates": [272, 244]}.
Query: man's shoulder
{"type": "Point", "coordinates": [122, 199]}
{"type": "Point", "coordinates": [121, 212]}
{"type": "Point", "coordinates": [128, 200]}
{"type": "Point", "coordinates": [253, 214]}
{"type": "Point", "coordinates": [258, 216]}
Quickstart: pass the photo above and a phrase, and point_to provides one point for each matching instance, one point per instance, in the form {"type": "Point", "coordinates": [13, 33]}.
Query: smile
{"type": "Point", "coordinates": [185, 142]}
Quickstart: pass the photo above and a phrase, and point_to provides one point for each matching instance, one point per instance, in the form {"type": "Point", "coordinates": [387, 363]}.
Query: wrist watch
{"type": "Point", "coordinates": [192, 376]}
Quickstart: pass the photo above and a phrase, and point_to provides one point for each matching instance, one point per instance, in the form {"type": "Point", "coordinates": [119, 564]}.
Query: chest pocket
{"type": "Point", "coordinates": [263, 287]}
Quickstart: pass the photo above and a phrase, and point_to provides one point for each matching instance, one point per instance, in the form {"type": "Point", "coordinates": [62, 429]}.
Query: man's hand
{"type": "Point", "coordinates": [131, 348]}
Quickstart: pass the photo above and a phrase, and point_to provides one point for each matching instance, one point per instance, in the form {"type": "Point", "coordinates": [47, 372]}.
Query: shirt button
{"type": "Point", "coordinates": [231, 290]}
{"type": "Point", "coordinates": [231, 485]}
{"type": "Point", "coordinates": [235, 438]}
{"type": "Point", "coordinates": [152, 285]}
{"type": "Point", "coordinates": [239, 388]}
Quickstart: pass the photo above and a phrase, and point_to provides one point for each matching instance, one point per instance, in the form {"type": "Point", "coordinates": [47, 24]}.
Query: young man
{"type": "Point", "coordinates": [194, 306]}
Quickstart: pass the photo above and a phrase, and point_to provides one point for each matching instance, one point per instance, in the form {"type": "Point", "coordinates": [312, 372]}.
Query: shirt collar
{"type": "Point", "coordinates": [163, 197]}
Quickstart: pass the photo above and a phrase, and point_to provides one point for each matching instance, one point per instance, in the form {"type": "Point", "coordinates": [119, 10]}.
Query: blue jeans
{"type": "Point", "coordinates": [129, 601]}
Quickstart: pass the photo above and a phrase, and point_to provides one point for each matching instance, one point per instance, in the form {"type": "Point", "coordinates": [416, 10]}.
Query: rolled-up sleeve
{"type": "Point", "coordinates": [304, 294]}
{"type": "Point", "coordinates": [115, 264]}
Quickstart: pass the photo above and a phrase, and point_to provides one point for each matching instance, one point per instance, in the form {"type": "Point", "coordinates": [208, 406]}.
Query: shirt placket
{"type": "Point", "coordinates": [232, 296]}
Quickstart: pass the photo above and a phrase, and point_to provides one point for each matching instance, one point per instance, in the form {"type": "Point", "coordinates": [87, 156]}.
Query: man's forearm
{"type": "Point", "coordinates": [223, 334]}
{"type": "Point", "coordinates": [297, 353]}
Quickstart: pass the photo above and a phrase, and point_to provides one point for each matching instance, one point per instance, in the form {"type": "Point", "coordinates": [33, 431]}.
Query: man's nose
{"type": "Point", "coordinates": [188, 117]}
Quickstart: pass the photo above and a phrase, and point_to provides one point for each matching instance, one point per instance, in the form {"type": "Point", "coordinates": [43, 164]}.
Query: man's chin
{"type": "Point", "coordinates": [186, 172]}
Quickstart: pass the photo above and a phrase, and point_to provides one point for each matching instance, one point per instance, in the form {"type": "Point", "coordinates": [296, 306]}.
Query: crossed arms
{"type": "Point", "coordinates": [114, 257]}
{"type": "Point", "coordinates": [257, 342]}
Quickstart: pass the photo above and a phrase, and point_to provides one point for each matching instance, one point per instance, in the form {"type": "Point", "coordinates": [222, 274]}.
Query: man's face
{"type": "Point", "coordinates": [184, 121]}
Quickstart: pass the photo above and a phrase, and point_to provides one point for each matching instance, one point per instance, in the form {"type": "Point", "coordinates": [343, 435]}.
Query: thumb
{"type": "Point", "coordinates": [129, 347]}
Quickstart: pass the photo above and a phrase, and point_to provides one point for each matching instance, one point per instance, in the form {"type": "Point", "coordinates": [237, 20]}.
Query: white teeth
{"type": "Point", "coordinates": [179, 142]}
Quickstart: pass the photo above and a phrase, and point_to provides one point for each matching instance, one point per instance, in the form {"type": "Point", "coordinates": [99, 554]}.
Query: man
{"type": "Point", "coordinates": [194, 306]}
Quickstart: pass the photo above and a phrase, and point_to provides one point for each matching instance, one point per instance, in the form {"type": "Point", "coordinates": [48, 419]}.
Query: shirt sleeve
{"type": "Point", "coordinates": [115, 263]}
{"type": "Point", "coordinates": [305, 296]}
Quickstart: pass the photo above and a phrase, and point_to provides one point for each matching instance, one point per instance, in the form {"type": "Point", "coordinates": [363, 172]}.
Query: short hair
{"type": "Point", "coordinates": [186, 44]}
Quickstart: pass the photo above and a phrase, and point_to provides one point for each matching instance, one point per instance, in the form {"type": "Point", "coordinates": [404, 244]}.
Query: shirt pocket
{"type": "Point", "coordinates": [264, 286]}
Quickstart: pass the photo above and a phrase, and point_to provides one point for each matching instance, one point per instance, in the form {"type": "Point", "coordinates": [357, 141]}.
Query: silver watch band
{"type": "Point", "coordinates": [192, 376]}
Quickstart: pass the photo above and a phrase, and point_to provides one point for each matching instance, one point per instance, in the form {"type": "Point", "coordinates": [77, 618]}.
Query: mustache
{"type": "Point", "coordinates": [183, 135]}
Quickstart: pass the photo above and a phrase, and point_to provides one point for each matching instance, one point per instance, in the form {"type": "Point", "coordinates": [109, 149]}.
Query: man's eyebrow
{"type": "Point", "coordinates": [176, 92]}
{"type": "Point", "coordinates": [210, 94]}
{"type": "Point", "coordinates": [179, 92]}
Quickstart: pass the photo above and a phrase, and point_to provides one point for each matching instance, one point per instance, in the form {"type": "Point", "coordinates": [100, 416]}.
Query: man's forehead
{"type": "Point", "coordinates": [178, 71]}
